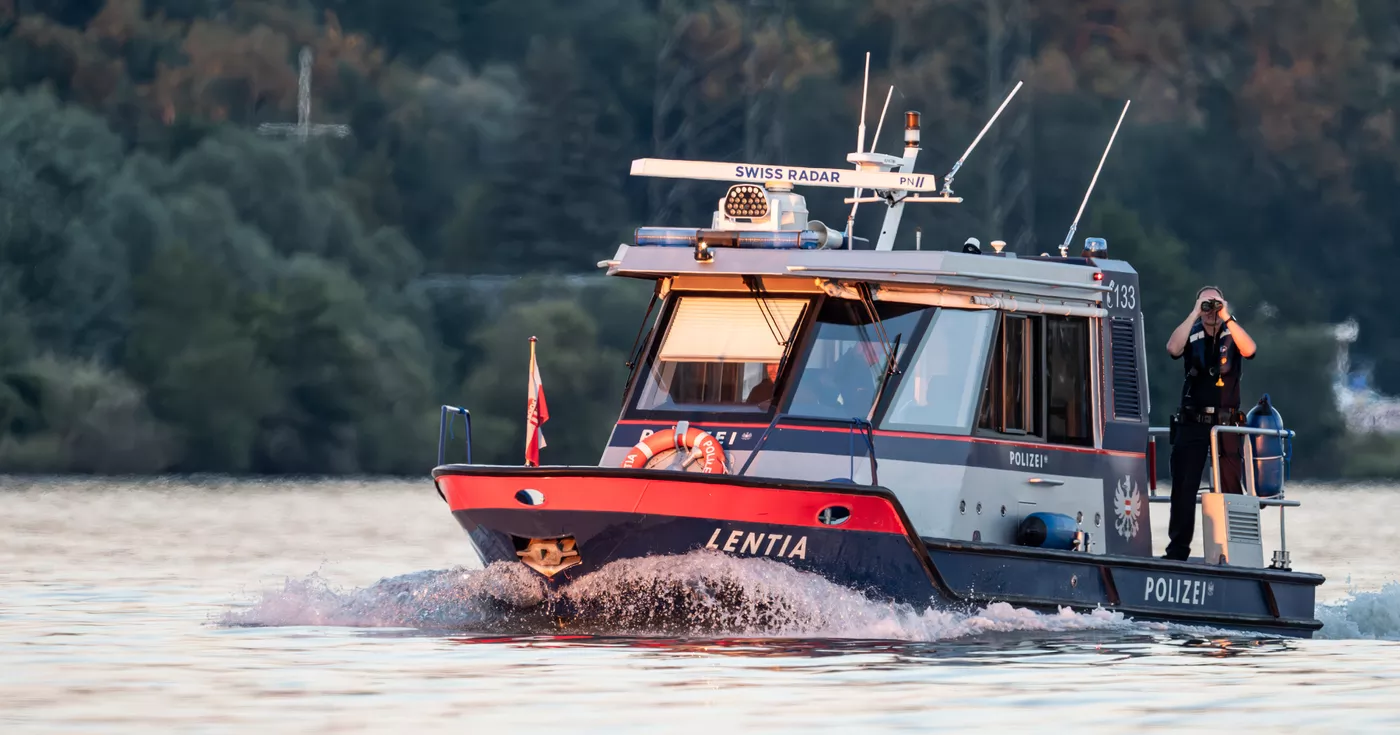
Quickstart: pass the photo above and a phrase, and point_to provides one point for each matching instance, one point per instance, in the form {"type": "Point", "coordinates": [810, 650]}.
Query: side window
{"type": "Point", "coordinates": [1069, 418]}
{"type": "Point", "coordinates": [1013, 395]}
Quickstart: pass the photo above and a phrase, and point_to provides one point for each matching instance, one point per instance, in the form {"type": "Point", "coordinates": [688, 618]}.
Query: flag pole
{"type": "Point", "coordinates": [530, 426]}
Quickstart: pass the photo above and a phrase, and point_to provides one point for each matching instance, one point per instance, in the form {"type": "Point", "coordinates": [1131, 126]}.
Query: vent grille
{"type": "Point", "coordinates": [1127, 396]}
{"type": "Point", "coordinates": [1243, 526]}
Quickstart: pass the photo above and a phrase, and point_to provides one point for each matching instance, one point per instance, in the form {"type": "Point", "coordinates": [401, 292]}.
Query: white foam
{"type": "Point", "coordinates": [739, 596]}
{"type": "Point", "coordinates": [429, 599]}
{"type": "Point", "coordinates": [703, 592]}
{"type": "Point", "coordinates": [1369, 615]}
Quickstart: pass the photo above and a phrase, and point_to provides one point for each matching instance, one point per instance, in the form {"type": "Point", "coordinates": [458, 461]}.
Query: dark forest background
{"type": "Point", "coordinates": [179, 293]}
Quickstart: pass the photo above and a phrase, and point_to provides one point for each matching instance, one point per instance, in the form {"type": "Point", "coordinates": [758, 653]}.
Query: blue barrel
{"type": "Point", "coordinates": [1047, 531]}
{"type": "Point", "coordinates": [1269, 454]}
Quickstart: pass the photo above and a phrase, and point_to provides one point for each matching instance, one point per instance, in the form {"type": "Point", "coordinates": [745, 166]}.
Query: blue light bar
{"type": "Point", "coordinates": [683, 237]}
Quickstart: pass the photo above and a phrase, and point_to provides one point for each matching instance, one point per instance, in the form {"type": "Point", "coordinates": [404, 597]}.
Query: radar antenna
{"type": "Point", "coordinates": [1064, 248]}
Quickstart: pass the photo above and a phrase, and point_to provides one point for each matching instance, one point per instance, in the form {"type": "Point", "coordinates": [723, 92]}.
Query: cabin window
{"type": "Point", "coordinates": [1038, 381]}
{"type": "Point", "coordinates": [1011, 397]}
{"type": "Point", "coordinates": [938, 392]}
{"type": "Point", "coordinates": [842, 371]}
{"type": "Point", "coordinates": [721, 354]}
{"type": "Point", "coordinates": [1068, 402]}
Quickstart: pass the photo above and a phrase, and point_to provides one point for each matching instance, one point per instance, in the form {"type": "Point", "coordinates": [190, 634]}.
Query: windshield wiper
{"type": "Point", "coordinates": [891, 368]}
{"type": "Point", "coordinates": [867, 299]}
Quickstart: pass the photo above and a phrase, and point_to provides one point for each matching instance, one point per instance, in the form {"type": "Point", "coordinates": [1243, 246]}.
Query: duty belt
{"type": "Point", "coordinates": [1212, 416]}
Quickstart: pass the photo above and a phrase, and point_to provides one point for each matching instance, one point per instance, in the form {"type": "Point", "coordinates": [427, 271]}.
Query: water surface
{"type": "Point", "coordinates": [358, 606]}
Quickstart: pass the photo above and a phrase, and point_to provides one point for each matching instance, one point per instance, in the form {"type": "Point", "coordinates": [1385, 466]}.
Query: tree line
{"type": "Point", "coordinates": [179, 293]}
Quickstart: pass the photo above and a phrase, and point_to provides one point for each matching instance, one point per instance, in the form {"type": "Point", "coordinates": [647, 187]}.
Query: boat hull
{"type": "Point", "coordinates": [1190, 593]}
{"type": "Point", "coordinates": [616, 514]}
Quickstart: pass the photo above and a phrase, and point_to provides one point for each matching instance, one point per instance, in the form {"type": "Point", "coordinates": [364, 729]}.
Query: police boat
{"type": "Point", "coordinates": [937, 428]}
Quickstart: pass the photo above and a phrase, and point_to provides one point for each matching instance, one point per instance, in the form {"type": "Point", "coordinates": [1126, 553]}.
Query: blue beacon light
{"type": "Point", "coordinates": [686, 237]}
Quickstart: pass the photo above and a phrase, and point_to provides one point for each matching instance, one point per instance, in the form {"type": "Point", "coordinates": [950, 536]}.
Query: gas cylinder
{"type": "Point", "coordinates": [1269, 453]}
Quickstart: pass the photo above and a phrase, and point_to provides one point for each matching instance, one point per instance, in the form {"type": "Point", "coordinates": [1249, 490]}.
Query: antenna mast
{"type": "Point", "coordinates": [1064, 248]}
{"type": "Point", "coordinates": [948, 180]}
{"type": "Point", "coordinates": [860, 145]}
{"type": "Point", "coordinates": [851, 220]}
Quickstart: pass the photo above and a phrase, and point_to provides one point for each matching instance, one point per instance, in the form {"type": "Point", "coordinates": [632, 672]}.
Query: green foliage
{"type": "Point", "coordinates": [1371, 457]}
{"type": "Point", "coordinates": [66, 416]}
{"type": "Point", "coordinates": [207, 375]}
{"type": "Point", "coordinates": [558, 203]}
{"type": "Point", "coordinates": [180, 293]}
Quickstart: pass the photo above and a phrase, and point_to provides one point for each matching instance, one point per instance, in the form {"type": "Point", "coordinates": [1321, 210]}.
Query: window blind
{"type": "Point", "coordinates": [730, 330]}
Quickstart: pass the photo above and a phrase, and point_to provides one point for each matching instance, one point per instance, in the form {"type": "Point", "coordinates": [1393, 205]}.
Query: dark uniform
{"type": "Point", "coordinates": [1204, 404]}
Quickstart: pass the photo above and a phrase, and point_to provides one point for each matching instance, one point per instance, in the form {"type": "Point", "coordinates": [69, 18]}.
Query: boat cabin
{"type": "Point", "coordinates": [979, 387]}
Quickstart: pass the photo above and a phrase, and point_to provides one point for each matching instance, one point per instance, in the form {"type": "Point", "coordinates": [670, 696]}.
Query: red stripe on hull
{"type": "Point", "coordinates": [647, 496]}
{"type": "Point", "coordinates": [905, 434]}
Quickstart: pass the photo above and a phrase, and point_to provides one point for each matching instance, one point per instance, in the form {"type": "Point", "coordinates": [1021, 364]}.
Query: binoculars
{"type": "Point", "coordinates": [1210, 306]}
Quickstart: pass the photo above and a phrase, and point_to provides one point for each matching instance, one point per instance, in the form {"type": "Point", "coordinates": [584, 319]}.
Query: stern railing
{"type": "Point", "coordinates": [1247, 464]}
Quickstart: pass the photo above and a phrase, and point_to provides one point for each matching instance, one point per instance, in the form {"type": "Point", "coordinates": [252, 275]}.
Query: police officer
{"type": "Point", "coordinates": [1213, 344]}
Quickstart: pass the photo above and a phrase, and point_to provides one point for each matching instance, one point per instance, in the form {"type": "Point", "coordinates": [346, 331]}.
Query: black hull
{"type": "Point", "coordinates": [1188, 593]}
{"type": "Point", "coordinates": [884, 563]}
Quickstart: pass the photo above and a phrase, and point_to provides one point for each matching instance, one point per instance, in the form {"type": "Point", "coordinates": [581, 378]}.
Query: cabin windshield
{"type": "Point", "coordinates": [725, 355]}
{"type": "Point", "coordinates": [841, 373]}
{"type": "Point", "coordinates": [938, 393]}
{"type": "Point", "coordinates": [721, 354]}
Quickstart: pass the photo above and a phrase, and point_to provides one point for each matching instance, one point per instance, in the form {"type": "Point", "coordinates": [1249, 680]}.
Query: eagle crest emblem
{"type": "Point", "coordinates": [1127, 507]}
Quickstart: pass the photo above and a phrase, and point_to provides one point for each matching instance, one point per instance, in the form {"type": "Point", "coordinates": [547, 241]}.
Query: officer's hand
{"type": "Point", "coordinates": [1224, 312]}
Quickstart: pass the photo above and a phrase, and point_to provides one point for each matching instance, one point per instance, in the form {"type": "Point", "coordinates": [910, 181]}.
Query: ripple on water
{"type": "Point", "coordinates": [108, 591]}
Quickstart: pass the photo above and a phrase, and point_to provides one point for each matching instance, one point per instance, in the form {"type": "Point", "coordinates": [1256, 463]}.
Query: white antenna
{"type": "Point", "coordinates": [948, 180]}
{"type": "Point", "coordinates": [864, 93]}
{"type": "Point", "coordinates": [1064, 249]}
{"type": "Point", "coordinates": [851, 220]}
{"type": "Point", "coordinates": [879, 126]}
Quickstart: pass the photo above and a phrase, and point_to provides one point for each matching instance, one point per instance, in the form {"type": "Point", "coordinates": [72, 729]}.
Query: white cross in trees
{"type": "Point", "coordinates": [302, 129]}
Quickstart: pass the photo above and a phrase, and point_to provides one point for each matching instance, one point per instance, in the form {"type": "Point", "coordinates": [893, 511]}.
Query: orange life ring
{"type": "Point", "coordinates": [699, 442]}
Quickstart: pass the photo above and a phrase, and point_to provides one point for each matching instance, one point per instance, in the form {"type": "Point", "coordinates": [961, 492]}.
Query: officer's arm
{"type": "Point", "coordinates": [1176, 344]}
{"type": "Point", "coordinates": [1243, 342]}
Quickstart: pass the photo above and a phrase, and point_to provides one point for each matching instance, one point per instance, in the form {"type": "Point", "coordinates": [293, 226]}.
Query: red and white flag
{"type": "Point", "coordinates": [536, 413]}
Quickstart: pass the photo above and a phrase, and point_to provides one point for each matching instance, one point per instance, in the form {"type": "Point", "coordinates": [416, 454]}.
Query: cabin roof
{"type": "Point", "coordinates": [1076, 279]}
